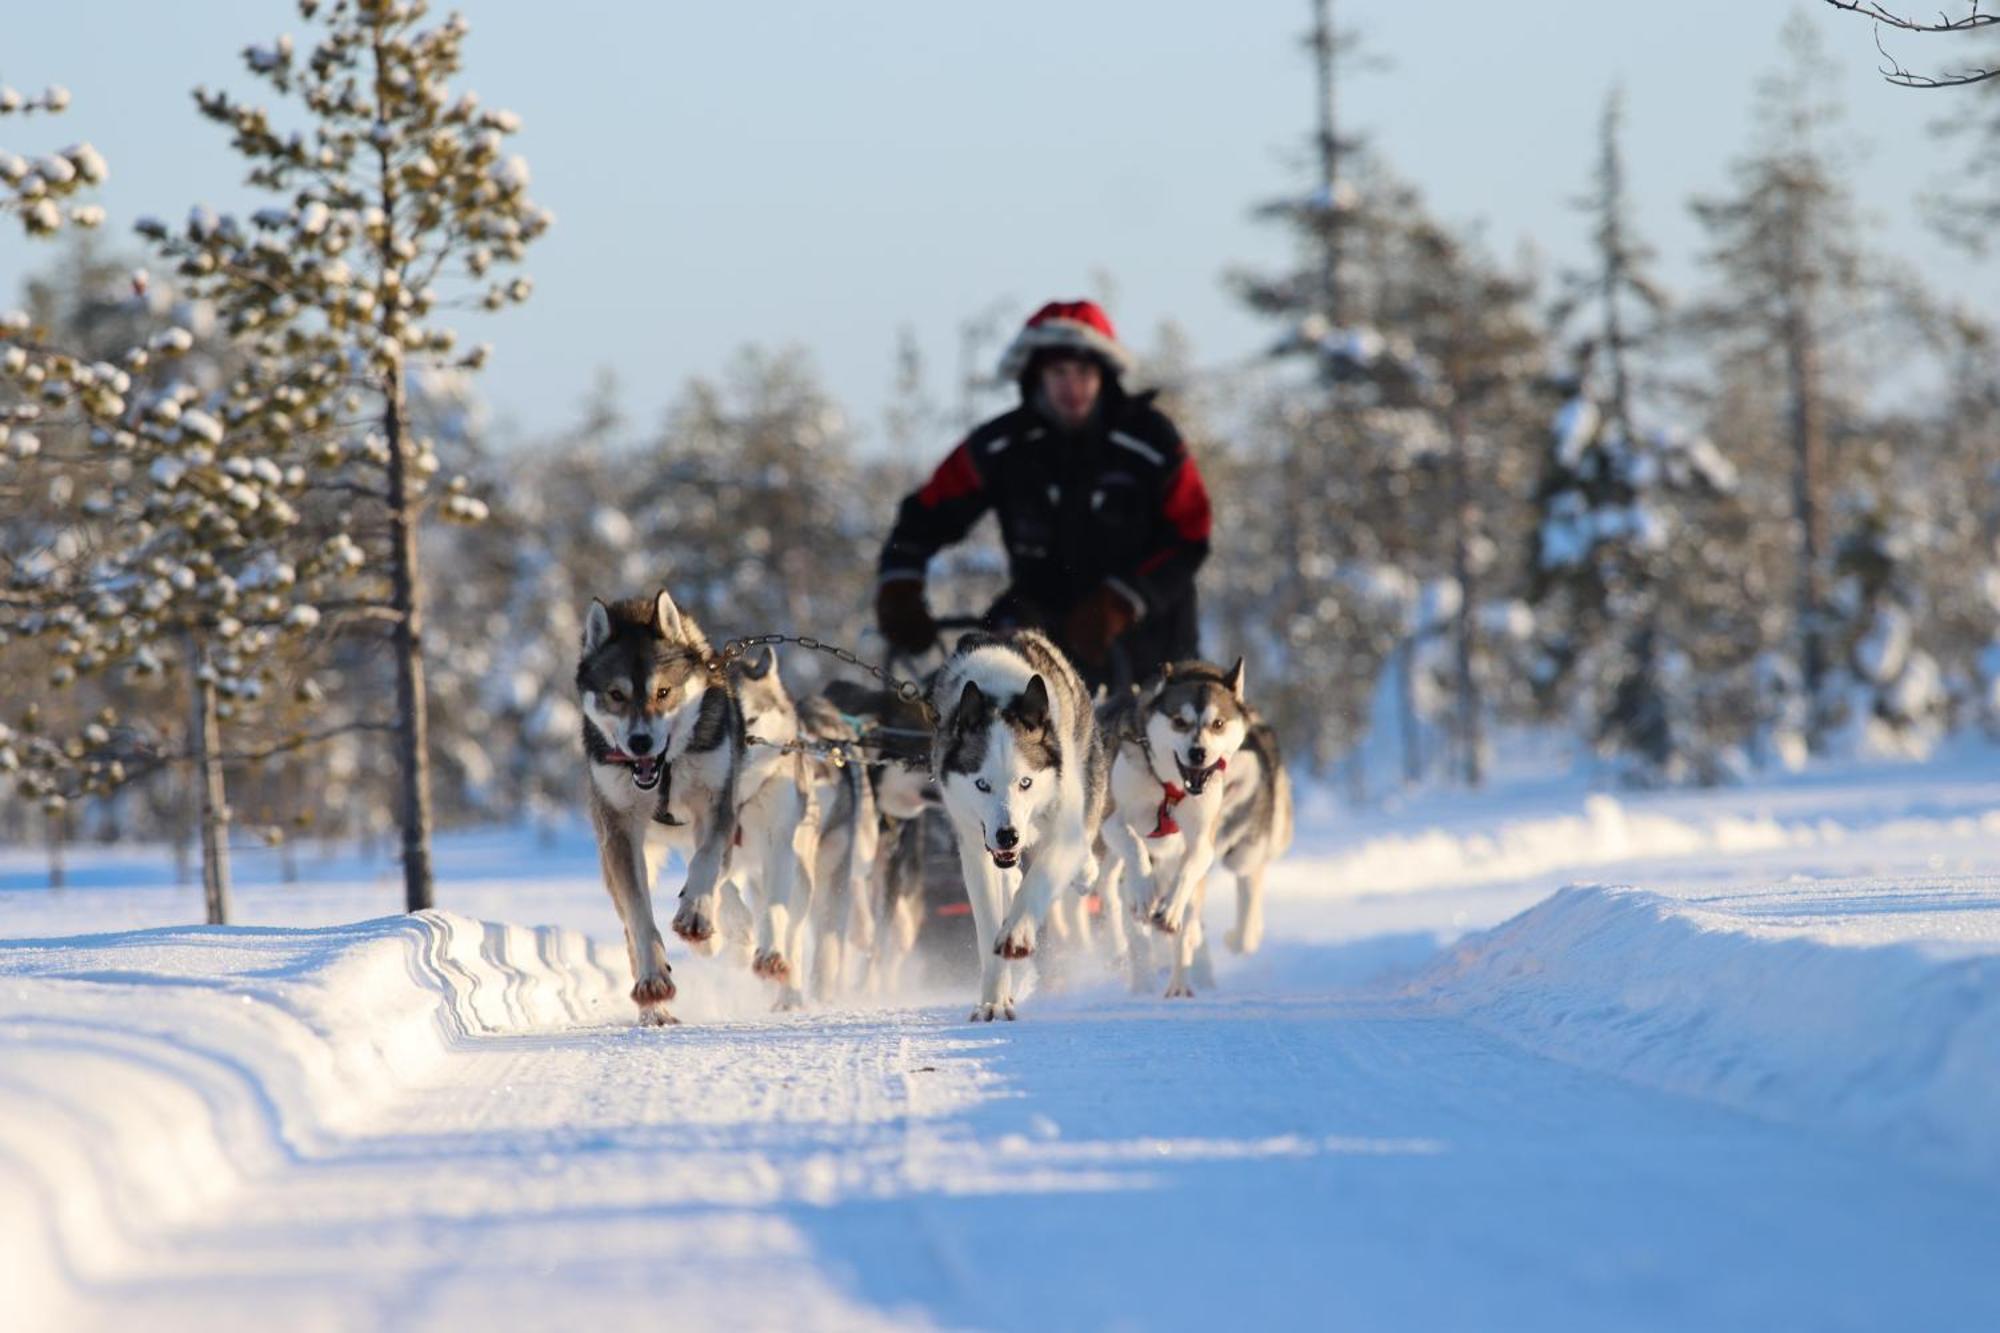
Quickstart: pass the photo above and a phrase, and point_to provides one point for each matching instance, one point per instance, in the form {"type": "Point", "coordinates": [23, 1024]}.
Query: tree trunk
{"type": "Point", "coordinates": [204, 729]}
{"type": "Point", "coordinates": [1808, 486]}
{"type": "Point", "coordinates": [58, 830]}
{"type": "Point", "coordinates": [412, 714]}
{"type": "Point", "coordinates": [1466, 516]}
{"type": "Point", "coordinates": [1324, 41]}
{"type": "Point", "coordinates": [1406, 698]}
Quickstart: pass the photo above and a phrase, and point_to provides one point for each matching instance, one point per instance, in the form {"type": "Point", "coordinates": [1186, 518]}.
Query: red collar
{"type": "Point", "coordinates": [1171, 795]}
{"type": "Point", "coordinates": [1164, 824]}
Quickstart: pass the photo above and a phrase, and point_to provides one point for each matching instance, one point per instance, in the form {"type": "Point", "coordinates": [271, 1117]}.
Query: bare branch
{"type": "Point", "coordinates": [1894, 71]}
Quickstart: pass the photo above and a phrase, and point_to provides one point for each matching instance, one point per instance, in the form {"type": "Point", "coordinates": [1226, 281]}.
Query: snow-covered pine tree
{"type": "Point", "coordinates": [1790, 280]}
{"type": "Point", "coordinates": [170, 538]}
{"type": "Point", "coordinates": [1620, 493]}
{"type": "Point", "coordinates": [744, 494]}
{"type": "Point", "coordinates": [393, 202]}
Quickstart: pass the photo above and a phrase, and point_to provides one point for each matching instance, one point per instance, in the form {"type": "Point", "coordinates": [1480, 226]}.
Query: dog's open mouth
{"type": "Point", "coordinates": [1006, 860]}
{"type": "Point", "coordinates": [646, 772]}
{"type": "Point", "coordinates": [1195, 780]}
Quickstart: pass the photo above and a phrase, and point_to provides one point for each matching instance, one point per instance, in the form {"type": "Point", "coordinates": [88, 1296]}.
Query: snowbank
{"type": "Point", "coordinates": [1606, 831]}
{"type": "Point", "coordinates": [1787, 1019]}
{"type": "Point", "coordinates": [145, 1076]}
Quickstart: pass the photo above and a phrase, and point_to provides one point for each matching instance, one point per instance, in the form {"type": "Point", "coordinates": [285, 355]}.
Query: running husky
{"type": "Point", "coordinates": [885, 877]}
{"type": "Point", "coordinates": [1174, 739]}
{"type": "Point", "coordinates": [777, 828]}
{"type": "Point", "coordinates": [1017, 759]}
{"type": "Point", "coordinates": [663, 742]}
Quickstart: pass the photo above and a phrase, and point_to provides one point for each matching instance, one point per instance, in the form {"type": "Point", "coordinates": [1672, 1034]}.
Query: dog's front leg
{"type": "Point", "coordinates": [1126, 882]}
{"type": "Point", "coordinates": [1052, 868]}
{"type": "Point", "coordinates": [776, 897]}
{"type": "Point", "coordinates": [986, 890]}
{"type": "Point", "coordinates": [626, 876]}
{"type": "Point", "coordinates": [1176, 892]}
{"type": "Point", "coordinates": [700, 911]}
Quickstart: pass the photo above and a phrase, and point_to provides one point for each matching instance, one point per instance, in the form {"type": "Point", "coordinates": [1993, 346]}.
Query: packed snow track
{"type": "Point", "coordinates": [1713, 1103]}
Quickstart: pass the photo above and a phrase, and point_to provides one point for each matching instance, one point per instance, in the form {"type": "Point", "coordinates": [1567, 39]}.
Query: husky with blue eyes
{"type": "Point", "coordinates": [1022, 776]}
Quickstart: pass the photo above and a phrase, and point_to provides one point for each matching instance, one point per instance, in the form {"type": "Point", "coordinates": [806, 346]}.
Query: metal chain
{"type": "Point", "coordinates": [909, 691]}
{"type": "Point", "coordinates": [838, 753]}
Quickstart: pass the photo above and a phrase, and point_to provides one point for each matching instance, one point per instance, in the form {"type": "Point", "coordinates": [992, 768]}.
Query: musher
{"type": "Point", "coordinates": [1102, 510]}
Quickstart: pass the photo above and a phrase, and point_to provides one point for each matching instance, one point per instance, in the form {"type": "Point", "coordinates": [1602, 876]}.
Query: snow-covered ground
{"type": "Point", "coordinates": [1537, 1058]}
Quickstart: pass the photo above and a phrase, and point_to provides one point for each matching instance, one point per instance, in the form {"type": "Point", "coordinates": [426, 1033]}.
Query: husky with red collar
{"type": "Point", "coordinates": [1176, 738]}
{"type": "Point", "coordinates": [663, 744]}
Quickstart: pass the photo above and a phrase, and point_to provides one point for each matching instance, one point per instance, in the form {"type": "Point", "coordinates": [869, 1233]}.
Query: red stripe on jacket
{"type": "Point", "coordinates": [1186, 511]}
{"type": "Point", "coordinates": [955, 478]}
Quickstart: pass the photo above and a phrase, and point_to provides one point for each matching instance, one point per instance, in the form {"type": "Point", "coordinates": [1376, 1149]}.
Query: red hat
{"type": "Point", "coordinates": [1069, 326]}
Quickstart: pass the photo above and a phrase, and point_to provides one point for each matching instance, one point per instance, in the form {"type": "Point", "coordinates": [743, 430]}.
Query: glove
{"type": "Point", "coordinates": [1095, 623]}
{"type": "Point", "coordinates": [903, 618]}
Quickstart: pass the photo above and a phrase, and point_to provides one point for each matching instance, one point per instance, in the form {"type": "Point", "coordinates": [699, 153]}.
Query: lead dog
{"type": "Point", "coordinates": [1174, 740]}
{"type": "Point", "coordinates": [1017, 760]}
{"type": "Point", "coordinates": [663, 745]}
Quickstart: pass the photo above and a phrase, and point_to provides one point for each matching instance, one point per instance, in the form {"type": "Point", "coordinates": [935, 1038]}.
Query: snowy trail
{"type": "Point", "coordinates": [1757, 1092]}
{"type": "Point", "coordinates": [1108, 1162]}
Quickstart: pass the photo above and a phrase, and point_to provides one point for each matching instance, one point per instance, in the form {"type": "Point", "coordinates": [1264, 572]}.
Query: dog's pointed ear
{"type": "Point", "coordinates": [596, 626]}
{"type": "Point", "coordinates": [971, 703]}
{"type": "Point", "coordinates": [1166, 672]}
{"type": "Point", "coordinates": [1234, 680]}
{"type": "Point", "coordinates": [1033, 707]}
{"type": "Point", "coordinates": [666, 616]}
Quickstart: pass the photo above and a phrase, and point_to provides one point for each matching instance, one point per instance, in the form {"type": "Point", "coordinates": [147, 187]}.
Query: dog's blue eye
{"type": "Point", "coordinates": [1027, 783]}
{"type": "Point", "coordinates": [982, 784]}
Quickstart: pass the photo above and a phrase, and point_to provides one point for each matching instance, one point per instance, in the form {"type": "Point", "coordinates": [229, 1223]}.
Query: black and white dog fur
{"type": "Point", "coordinates": [1175, 740]}
{"type": "Point", "coordinates": [1017, 760]}
{"type": "Point", "coordinates": [663, 745]}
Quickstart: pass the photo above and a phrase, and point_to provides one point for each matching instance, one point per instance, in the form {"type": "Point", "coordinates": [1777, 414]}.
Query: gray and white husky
{"type": "Point", "coordinates": [778, 828]}
{"type": "Point", "coordinates": [879, 867]}
{"type": "Point", "coordinates": [1175, 740]}
{"type": "Point", "coordinates": [1017, 760]}
{"type": "Point", "coordinates": [663, 745]}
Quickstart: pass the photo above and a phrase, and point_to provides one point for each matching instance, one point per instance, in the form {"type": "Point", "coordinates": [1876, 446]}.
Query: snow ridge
{"type": "Point", "coordinates": [1893, 1043]}
{"type": "Point", "coordinates": [252, 1047]}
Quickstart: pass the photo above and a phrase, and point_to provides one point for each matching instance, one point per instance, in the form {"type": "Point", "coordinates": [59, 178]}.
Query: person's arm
{"type": "Point", "coordinates": [1182, 526]}
{"type": "Point", "coordinates": [934, 516]}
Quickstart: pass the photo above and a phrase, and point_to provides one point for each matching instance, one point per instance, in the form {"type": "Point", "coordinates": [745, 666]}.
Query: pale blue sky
{"type": "Point", "coordinates": [822, 174]}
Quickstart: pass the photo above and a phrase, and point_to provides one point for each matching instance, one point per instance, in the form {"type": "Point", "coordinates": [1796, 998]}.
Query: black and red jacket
{"type": "Point", "coordinates": [1117, 501]}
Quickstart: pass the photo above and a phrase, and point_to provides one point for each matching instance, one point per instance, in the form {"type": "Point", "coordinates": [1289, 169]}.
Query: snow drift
{"type": "Point", "coordinates": [1892, 1042]}
{"type": "Point", "coordinates": [146, 1075]}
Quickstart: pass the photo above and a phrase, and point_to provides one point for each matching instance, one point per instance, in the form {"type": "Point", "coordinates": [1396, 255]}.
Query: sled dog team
{"type": "Point", "coordinates": [1050, 796]}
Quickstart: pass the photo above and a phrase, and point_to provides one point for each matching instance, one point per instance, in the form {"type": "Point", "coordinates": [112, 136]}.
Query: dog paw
{"type": "Point", "coordinates": [986, 1013]}
{"type": "Point", "coordinates": [693, 925]}
{"type": "Point", "coordinates": [657, 1017]}
{"type": "Point", "coordinates": [653, 990]}
{"type": "Point", "coordinates": [1018, 942]}
{"type": "Point", "coordinates": [771, 964]}
{"type": "Point", "coordinates": [1165, 921]}
{"type": "Point", "coordinates": [790, 1000]}
{"type": "Point", "coordinates": [1179, 990]}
